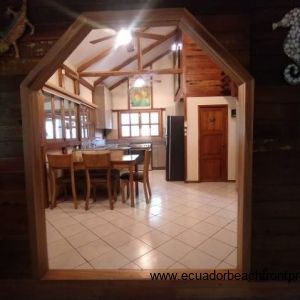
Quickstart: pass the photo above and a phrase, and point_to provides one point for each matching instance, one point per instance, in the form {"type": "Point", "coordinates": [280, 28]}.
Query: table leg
{"type": "Point", "coordinates": [136, 184]}
{"type": "Point", "coordinates": [131, 185]}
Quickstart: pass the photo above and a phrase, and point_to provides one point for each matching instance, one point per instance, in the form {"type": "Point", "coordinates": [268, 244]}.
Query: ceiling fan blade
{"type": "Point", "coordinates": [102, 39]}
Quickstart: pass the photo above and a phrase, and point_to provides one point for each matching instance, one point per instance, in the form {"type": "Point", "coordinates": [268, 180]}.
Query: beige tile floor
{"type": "Point", "coordinates": [186, 226]}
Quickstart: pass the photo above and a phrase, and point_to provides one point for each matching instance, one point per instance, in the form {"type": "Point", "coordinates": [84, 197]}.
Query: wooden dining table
{"type": "Point", "coordinates": [120, 162]}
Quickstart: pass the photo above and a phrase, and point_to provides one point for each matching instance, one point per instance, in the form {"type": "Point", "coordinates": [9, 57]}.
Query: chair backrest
{"type": "Point", "coordinates": [147, 157]}
{"type": "Point", "coordinates": [77, 154]}
{"type": "Point", "coordinates": [96, 160]}
{"type": "Point", "coordinates": [60, 161]}
{"type": "Point", "coordinates": [116, 154]}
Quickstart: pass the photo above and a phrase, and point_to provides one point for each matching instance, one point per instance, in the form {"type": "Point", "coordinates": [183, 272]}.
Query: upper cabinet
{"type": "Point", "coordinates": [102, 98]}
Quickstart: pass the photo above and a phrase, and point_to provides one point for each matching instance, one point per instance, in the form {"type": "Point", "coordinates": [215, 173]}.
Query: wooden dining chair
{"type": "Point", "coordinates": [98, 172]}
{"type": "Point", "coordinates": [61, 172]}
{"type": "Point", "coordinates": [139, 176]}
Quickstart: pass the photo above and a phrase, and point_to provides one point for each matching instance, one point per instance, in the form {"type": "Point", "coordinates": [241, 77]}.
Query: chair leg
{"type": "Point", "coordinates": [136, 188]}
{"type": "Point", "coordinates": [111, 201]}
{"type": "Point", "coordinates": [53, 190]}
{"type": "Point", "coordinates": [122, 187]}
{"type": "Point", "coordinates": [74, 190]}
{"type": "Point", "coordinates": [146, 191]}
{"type": "Point", "coordinates": [149, 189]}
{"type": "Point", "coordinates": [87, 197]}
{"type": "Point", "coordinates": [128, 190]}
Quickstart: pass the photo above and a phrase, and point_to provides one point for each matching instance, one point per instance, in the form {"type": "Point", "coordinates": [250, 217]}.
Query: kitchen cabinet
{"type": "Point", "coordinates": [102, 98]}
{"type": "Point", "coordinates": [158, 156]}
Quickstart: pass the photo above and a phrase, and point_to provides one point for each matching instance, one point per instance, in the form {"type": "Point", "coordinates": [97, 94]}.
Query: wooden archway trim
{"type": "Point", "coordinates": [32, 105]}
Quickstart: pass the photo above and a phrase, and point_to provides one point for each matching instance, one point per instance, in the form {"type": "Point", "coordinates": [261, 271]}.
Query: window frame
{"type": "Point", "coordinates": [66, 115]}
{"type": "Point", "coordinates": [140, 111]}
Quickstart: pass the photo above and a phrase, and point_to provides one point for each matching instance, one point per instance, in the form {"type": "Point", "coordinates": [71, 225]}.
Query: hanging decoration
{"type": "Point", "coordinates": [15, 29]}
{"type": "Point", "coordinates": [291, 45]}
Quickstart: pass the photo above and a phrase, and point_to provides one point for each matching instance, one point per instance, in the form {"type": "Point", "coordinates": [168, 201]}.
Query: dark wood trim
{"type": "Point", "coordinates": [52, 89]}
{"type": "Point", "coordinates": [76, 87]}
{"type": "Point", "coordinates": [140, 55]}
{"type": "Point", "coordinates": [129, 73]}
{"type": "Point", "coordinates": [69, 72]}
{"type": "Point", "coordinates": [60, 75]}
{"type": "Point", "coordinates": [35, 80]}
{"type": "Point", "coordinates": [105, 38]}
{"type": "Point", "coordinates": [191, 181]}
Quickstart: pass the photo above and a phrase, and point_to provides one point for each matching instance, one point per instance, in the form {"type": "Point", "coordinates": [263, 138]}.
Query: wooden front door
{"type": "Point", "coordinates": [213, 143]}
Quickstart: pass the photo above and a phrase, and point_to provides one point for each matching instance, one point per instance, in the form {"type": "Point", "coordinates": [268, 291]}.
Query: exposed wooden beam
{"type": "Point", "coordinates": [60, 77]}
{"type": "Point", "coordinates": [74, 75]}
{"type": "Point", "coordinates": [94, 59]}
{"type": "Point", "coordinates": [103, 39]}
{"type": "Point", "coordinates": [148, 64]}
{"type": "Point", "coordinates": [118, 83]}
{"type": "Point", "coordinates": [69, 72]}
{"type": "Point", "coordinates": [139, 53]}
{"type": "Point", "coordinates": [133, 58]}
{"type": "Point", "coordinates": [130, 73]}
{"type": "Point", "coordinates": [147, 35]}
{"type": "Point", "coordinates": [145, 66]}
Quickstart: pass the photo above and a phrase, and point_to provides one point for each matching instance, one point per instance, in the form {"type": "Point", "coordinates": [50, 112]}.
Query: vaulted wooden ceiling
{"type": "Point", "coordinates": [98, 61]}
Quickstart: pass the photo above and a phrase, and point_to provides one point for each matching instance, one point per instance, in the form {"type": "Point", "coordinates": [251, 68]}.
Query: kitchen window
{"type": "Point", "coordinates": [65, 119]}
{"type": "Point", "coordinates": [140, 123]}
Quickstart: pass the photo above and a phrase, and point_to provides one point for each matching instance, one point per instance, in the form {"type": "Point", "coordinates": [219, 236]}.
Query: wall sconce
{"type": "Point", "coordinates": [176, 46]}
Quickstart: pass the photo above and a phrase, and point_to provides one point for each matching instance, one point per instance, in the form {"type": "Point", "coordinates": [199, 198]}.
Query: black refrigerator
{"type": "Point", "coordinates": [175, 148]}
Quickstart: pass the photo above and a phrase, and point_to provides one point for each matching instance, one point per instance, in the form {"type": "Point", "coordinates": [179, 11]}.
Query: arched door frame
{"type": "Point", "coordinates": [32, 106]}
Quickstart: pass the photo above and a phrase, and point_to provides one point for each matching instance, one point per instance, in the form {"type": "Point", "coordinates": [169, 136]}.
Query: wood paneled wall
{"type": "Point", "coordinates": [276, 159]}
{"type": "Point", "coordinates": [202, 76]}
{"type": "Point", "coordinates": [244, 27]}
{"type": "Point", "coordinates": [14, 237]}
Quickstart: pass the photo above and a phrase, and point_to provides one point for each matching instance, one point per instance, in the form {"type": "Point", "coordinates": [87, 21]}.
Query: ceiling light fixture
{"type": "Point", "coordinates": [139, 82]}
{"type": "Point", "coordinates": [124, 37]}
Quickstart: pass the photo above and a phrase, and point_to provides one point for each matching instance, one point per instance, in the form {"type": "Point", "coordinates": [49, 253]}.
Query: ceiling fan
{"type": "Point", "coordinates": [139, 81]}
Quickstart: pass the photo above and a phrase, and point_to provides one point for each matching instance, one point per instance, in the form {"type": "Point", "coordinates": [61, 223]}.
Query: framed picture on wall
{"type": "Point", "coordinates": [139, 96]}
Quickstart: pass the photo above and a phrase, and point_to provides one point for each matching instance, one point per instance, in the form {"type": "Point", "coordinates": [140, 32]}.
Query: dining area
{"type": "Point", "coordinates": [84, 171]}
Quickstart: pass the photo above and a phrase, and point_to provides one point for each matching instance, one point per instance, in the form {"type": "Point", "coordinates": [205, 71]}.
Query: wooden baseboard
{"type": "Point", "coordinates": [191, 181]}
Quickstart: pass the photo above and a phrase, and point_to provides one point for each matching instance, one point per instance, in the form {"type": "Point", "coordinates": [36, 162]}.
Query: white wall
{"type": "Point", "coordinates": [53, 79]}
{"type": "Point", "coordinates": [163, 92]}
{"type": "Point", "coordinates": [69, 84]}
{"type": "Point", "coordinates": [162, 97]}
{"type": "Point", "coordinates": [86, 93]}
{"type": "Point", "coordinates": [119, 96]}
{"type": "Point", "coordinates": [192, 134]}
